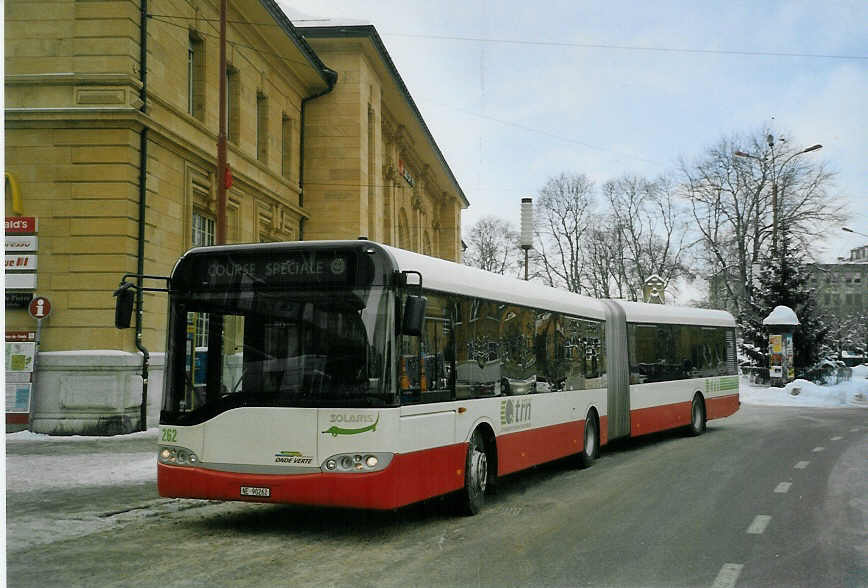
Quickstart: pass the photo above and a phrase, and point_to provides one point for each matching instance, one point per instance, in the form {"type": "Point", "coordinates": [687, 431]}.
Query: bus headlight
{"type": "Point", "coordinates": [177, 456]}
{"type": "Point", "coordinates": [357, 462]}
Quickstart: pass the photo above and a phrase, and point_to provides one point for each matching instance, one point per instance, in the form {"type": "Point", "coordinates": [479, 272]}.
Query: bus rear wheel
{"type": "Point", "coordinates": [472, 497]}
{"type": "Point", "coordinates": [697, 417]}
{"type": "Point", "coordinates": [591, 445]}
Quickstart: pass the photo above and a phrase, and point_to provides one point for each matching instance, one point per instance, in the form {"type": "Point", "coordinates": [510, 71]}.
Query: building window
{"type": "Point", "coordinates": [286, 147]}
{"type": "Point", "coordinates": [233, 100]}
{"type": "Point", "coordinates": [261, 127]}
{"type": "Point", "coordinates": [196, 76]}
{"type": "Point", "coordinates": [203, 235]}
{"type": "Point", "coordinates": [203, 230]}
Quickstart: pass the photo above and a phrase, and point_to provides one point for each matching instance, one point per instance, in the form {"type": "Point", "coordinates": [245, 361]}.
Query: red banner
{"type": "Point", "coordinates": [20, 224]}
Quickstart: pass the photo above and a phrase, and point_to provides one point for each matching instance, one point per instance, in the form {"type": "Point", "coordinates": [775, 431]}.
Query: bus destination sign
{"type": "Point", "coordinates": [287, 269]}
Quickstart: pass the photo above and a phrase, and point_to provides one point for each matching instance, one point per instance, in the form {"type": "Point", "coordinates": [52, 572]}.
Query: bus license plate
{"type": "Point", "coordinates": [256, 491]}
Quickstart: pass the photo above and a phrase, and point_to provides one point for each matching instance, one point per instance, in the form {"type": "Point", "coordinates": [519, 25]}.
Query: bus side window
{"type": "Point", "coordinates": [427, 362]}
{"type": "Point", "coordinates": [551, 365]}
{"type": "Point", "coordinates": [437, 357]}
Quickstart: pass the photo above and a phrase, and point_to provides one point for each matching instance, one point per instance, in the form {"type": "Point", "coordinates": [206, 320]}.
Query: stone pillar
{"type": "Point", "coordinates": [93, 392]}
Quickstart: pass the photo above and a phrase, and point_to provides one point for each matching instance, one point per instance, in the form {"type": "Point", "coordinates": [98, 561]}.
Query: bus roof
{"type": "Point", "coordinates": [447, 276]}
{"type": "Point", "coordinates": [640, 312]}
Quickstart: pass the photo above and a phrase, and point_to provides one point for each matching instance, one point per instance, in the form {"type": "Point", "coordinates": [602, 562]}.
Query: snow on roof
{"type": "Point", "coordinates": [300, 19]}
{"type": "Point", "coordinates": [442, 275]}
{"type": "Point", "coordinates": [641, 312]}
{"type": "Point", "coordinates": [782, 315]}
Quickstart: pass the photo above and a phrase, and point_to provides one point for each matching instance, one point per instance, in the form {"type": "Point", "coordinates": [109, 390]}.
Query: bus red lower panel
{"type": "Point", "coordinates": [523, 449]}
{"type": "Point", "coordinates": [721, 406]}
{"type": "Point", "coordinates": [409, 478]}
{"type": "Point", "coordinates": [670, 416]}
{"type": "Point", "coordinates": [659, 418]}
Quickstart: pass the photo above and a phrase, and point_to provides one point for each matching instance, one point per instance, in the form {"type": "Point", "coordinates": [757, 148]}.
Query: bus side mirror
{"type": "Point", "coordinates": [414, 316]}
{"type": "Point", "coordinates": [124, 306]}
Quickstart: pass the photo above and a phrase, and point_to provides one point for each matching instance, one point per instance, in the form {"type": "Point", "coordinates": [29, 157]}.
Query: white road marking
{"type": "Point", "coordinates": [854, 430]}
{"type": "Point", "coordinates": [818, 449]}
{"type": "Point", "coordinates": [759, 524]}
{"type": "Point", "coordinates": [727, 576]}
{"type": "Point", "coordinates": [836, 438]}
{"type": "Point", "coordinates": [783, 487]}
{"type": "Point", "coordinates": [801, 465]}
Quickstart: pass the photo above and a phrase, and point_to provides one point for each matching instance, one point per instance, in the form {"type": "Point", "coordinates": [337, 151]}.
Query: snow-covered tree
{"type": "Point", "coordinates": [783, 281]}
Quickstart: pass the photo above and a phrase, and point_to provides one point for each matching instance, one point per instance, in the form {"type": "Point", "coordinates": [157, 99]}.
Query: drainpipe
{"type": "Point", "coordinates": [331, 79]}
{"type": "Point", "coordinates": [143, 192]}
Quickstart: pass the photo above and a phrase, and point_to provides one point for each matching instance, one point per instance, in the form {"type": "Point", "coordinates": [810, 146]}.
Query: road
{"type": "Point", "coordinates": [771, 496]}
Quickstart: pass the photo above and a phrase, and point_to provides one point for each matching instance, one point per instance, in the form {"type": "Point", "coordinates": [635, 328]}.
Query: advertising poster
{"type": "Point", "coordinates": [20, 356]}
{"type": "Point", "coordinates": [18, 398]}
{"type": "Point", "coordinates": [788, 346]}
{"type": "Point", "coordinates": [776, 343]}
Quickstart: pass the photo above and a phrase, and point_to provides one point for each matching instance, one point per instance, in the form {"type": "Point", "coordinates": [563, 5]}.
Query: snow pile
{"type": "Point", "coordinates": [24, 436]}
{"type": "Point", "coordinates": [55, 472]}
{"type": "Point", "coordinates": [805, 393]}
{"type": "Point", "coordinates": [97, 464]}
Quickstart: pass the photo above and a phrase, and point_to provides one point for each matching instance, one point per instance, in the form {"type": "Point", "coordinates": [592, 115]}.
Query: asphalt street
{"type": "Point", "coordinates": [771, 496]}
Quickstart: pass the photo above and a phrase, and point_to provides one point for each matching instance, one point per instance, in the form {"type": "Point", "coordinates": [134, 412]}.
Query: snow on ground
{"type": "Point", "coordinates": [56, 472]}
{"type": "Point", "coordinates": [846, 394]}
{"type": "Point", "coordinates": [96, 465]}
{"type": "Point", "coordinates": [24, 436]}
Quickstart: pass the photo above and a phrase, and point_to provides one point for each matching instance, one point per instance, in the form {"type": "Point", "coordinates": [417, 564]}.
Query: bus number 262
{"type": "Point", "coordinates": [170, 435]}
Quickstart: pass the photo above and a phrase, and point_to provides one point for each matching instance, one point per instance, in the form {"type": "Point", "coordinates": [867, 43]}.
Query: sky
{"type": "Point", "coordinates": [517, 92]}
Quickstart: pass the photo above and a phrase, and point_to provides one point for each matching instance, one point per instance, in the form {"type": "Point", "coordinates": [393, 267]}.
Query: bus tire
{"type": "Point", "coordinates": [697, 417]}
{"type": "Point", "coordinates": [591, 442]}
{"type": "Point", "coordinates": [472, 496]}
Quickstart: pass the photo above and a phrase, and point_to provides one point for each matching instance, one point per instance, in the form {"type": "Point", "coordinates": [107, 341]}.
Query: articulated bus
{"type": "Point", "coordinates": [353, 374]}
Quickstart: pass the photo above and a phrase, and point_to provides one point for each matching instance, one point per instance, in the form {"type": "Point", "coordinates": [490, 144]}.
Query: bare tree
{"type": "Point", "coordinates": [731, 199]}
{"type": "Point", "coordinates": [492, 245]}
{"type": "Point", "coordinates": [649, 233]}
{"type": "Point", "coordinates": [563, 212]}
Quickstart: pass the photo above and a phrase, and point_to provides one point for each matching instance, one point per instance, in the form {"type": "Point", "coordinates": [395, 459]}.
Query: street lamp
{"type": "Point", "coordinates": [526, 229]}
{"type": "Point", "coordinates": [770, 139]}
{"type": "Point", "coordinates": [848, 230]}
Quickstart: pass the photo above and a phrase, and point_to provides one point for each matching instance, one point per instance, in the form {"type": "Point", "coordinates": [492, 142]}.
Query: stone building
{"type": "Point", "coordinates": [111, 144]}
{"type": "Point", "coordinates": [842, 294]}
{"type": "Point", "coordinates": [372, 167]}
{"type": "Point", "coordinates": [843, 286]}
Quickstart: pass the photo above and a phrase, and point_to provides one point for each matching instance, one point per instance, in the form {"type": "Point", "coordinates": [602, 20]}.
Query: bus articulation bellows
{"type": "Point", "coordinates": [353, 374]}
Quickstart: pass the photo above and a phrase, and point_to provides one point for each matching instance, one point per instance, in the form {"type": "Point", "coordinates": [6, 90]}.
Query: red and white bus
{"type": "Point", "coordinates": [352, 374]}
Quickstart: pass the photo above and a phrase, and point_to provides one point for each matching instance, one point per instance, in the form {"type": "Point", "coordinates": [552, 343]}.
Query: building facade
{"type": "Point", "coordinates": [372, 167]}
{"type": "Point", "coordinates": [842, 295]}
{"type": "Point", "coordinates": [111, 149]}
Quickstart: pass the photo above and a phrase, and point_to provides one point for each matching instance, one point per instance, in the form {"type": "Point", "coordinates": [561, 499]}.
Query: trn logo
{"type": "Point", "coordinates": [515, 413]}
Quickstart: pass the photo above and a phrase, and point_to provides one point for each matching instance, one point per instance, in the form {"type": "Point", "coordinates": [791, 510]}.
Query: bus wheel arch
{"type": "Point", "coordinates": [698, 415]}
{"type": "Point", "coordinates": [480, 469]}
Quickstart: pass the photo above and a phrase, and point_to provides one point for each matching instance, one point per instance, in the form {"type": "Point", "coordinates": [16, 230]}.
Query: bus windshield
{"type": "Point", "coordinates": [277, 348]}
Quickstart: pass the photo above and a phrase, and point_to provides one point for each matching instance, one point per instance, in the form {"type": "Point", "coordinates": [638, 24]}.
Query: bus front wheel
{"type": "Point", "coordinates": [472, 497]}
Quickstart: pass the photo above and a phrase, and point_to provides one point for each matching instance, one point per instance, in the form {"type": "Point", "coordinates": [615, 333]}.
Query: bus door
{"type": "Point", "coordinates": [426, 378]}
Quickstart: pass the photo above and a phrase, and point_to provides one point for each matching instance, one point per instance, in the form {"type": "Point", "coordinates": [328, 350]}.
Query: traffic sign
{"type": "Point", "coordinates": [39, 308]}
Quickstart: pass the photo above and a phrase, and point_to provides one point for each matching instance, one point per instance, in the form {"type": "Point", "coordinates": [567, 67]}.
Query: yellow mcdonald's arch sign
{"type": "Point", "coordinates": [14, 193]}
